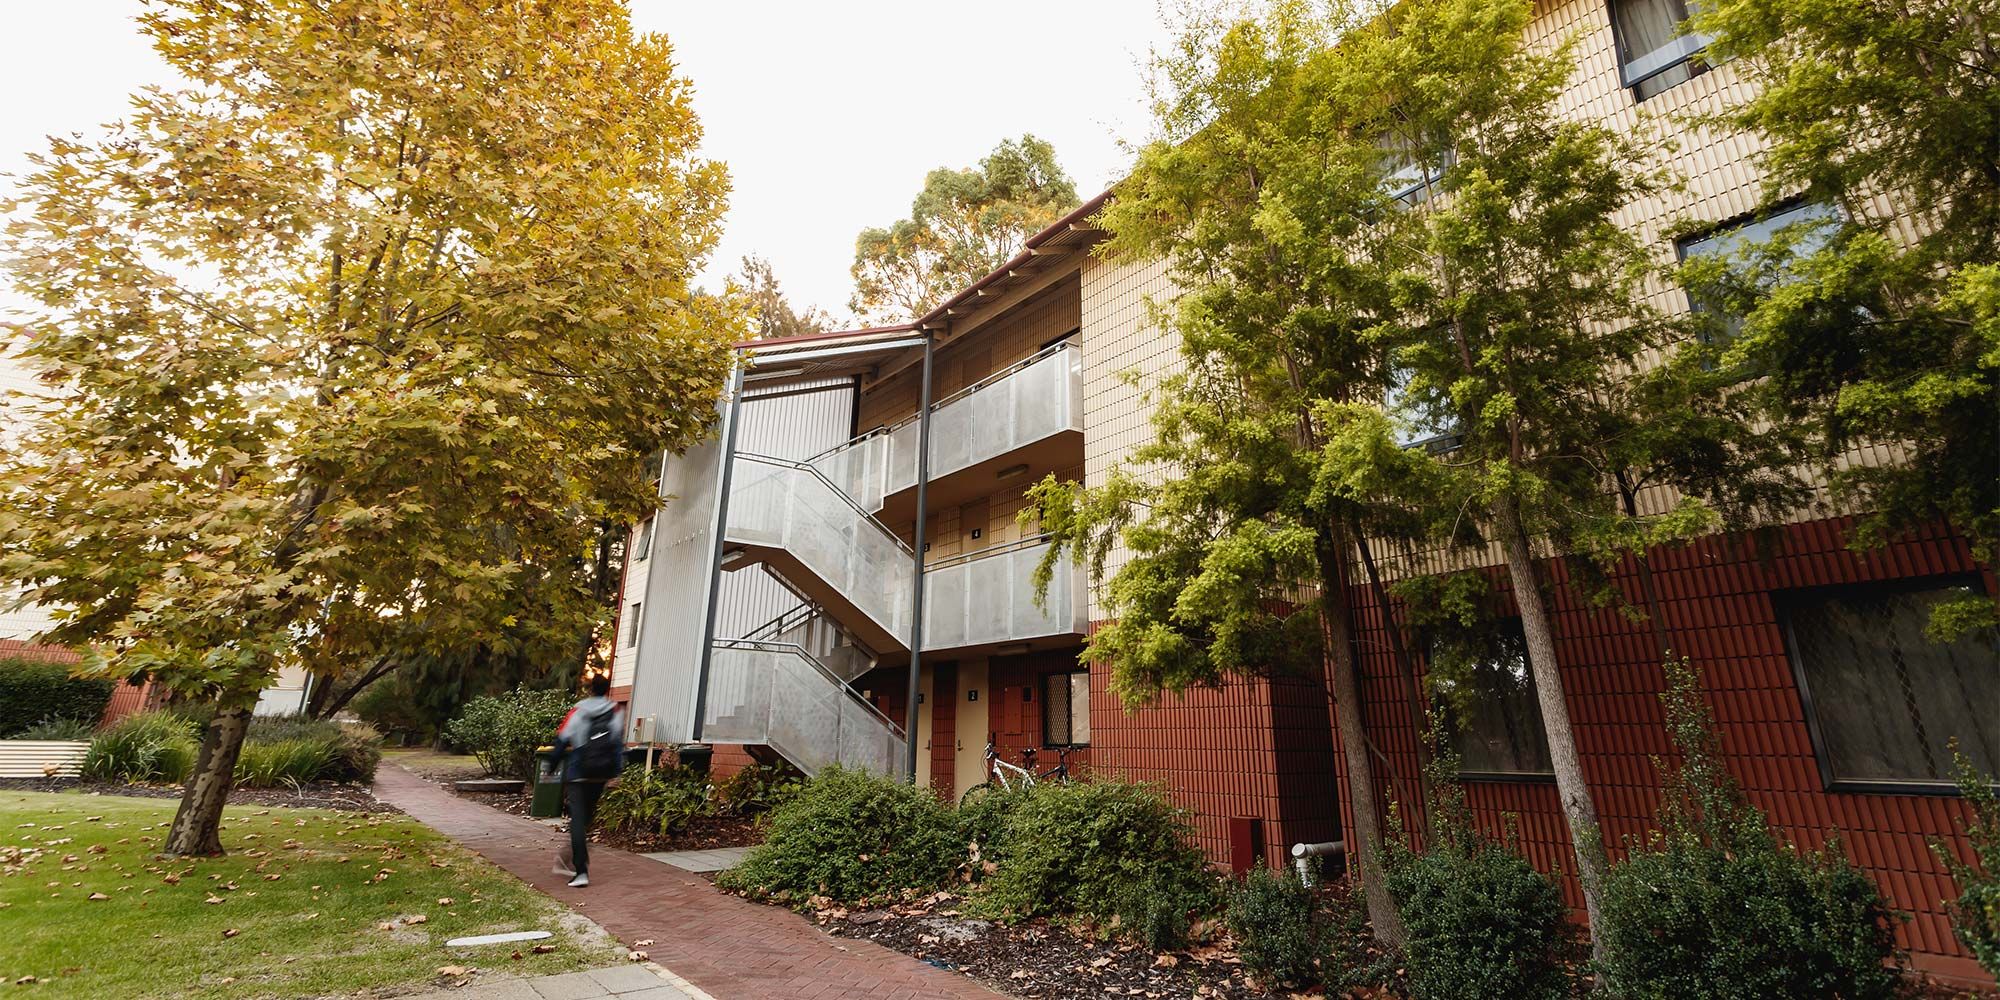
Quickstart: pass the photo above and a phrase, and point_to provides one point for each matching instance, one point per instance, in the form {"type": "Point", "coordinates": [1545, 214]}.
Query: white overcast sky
{"type": "Point", "coordinates": [828, 114]}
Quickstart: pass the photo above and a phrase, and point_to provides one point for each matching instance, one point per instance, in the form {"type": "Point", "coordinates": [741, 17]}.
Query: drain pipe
{"type": "Point", "coordinates": [1302, 852]}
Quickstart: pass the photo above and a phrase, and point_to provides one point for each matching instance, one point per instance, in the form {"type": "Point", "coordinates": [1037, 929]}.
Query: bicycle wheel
{"type": "Point", "coordinates": [975, 793]}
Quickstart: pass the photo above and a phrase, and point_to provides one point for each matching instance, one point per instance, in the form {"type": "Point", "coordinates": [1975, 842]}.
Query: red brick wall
{"type": "Point", "coordinates": [1015, 713]}
{"type": "Point", "coordinates": [1718, 610]}
{"type": "Point", "coordinates": [1257, 750]}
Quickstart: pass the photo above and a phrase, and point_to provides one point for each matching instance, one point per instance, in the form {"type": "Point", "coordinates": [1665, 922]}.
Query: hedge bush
{"type": "Point", "coordinates": [503, 730]}
{"type": "Point", "coordinates": [662, 800]}
{"type": "Point", "coordinates": [852, 837]}
{"type": "Point", "coordinates": [145, 746]}
{"type": "Point", "coordinates": [33, 692]}
{"type": "Point", "coordinates": [1113, 851]}
{"type": "Point", "coordinates": [1713, 906]}
{"type": "Point", "coordinates": [1480, 921]}
{"type": "Point", "coordinates": [1280, 933]}
{"type": "Point", "coordinates": [1975, 914]}
{"type": "Point", "coordinates": [756, 790]}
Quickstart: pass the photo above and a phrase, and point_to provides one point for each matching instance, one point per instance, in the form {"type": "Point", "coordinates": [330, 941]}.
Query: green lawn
{"type": "Point", "coordinates": [321, 904]}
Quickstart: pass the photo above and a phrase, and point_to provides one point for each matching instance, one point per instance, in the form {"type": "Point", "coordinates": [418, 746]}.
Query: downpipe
{"type": "Point", "coordinates": [1302, 855]}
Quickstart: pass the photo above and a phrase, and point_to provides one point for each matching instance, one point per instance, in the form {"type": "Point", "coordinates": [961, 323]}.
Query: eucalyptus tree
{"type": "Point", "coordinates": [352, 338]}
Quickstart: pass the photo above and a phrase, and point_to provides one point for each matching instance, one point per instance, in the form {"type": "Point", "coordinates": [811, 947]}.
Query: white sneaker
{"type": "Point", "coordinates": [579, 882]}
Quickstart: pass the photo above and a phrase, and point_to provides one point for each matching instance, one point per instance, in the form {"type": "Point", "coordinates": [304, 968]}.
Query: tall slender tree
{"type": "Point", "coordinates": [352, 343]}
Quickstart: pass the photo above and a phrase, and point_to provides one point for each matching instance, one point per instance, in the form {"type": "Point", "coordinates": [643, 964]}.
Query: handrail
{"type": "Point", "coordinates": [1001, 548]}
{"type": "Point", "coordinates": [777, 625]}
{"type": "Point", "coordinates": [823, 669]}
{"type": "Point", "coordinates": [1015, 368]}
{"type": "Point", "coordinates": [837, 491]}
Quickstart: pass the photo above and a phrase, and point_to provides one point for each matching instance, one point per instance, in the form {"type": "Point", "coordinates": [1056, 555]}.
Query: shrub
{"type": "Point", "coordinates": [756, 790]}
{"type": "Point", "coordinates": [1279, 932]}
{"type": "Point", "coordinates": [292, 761]}
{"type": "Point", "coordinates": [147, 746]}
{"type": "Point", "coordinates": [982, 821]}
{"type": "Point", "coordinates": [851, 836]}
{"type": "Point", "coordinates": [56, 729]}
{"type": "Point", "coordinates": [504, 730]}
{"type": "Point", "coordinates": [32, 692]}
{"type": "Point", "coordinates": [1714, 906]}
{"type": "Point", "coordinates": [663, 800]}
{"type": "Point", "coordinates": [351, 752]}
{"type": "Point", "coordinates": [1480, 921]}
{"type": "Point", "coordinates": [1112, 851]}
{"type": "Point", "coordinates": [1975, 914]}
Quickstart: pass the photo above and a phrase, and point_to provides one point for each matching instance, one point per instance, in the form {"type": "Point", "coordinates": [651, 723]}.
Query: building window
{"type": "Point", "coordinates": [632, 624]}
{"type": "Point", "coordinates": [1066, 709]}
{"type": "Point", "coordinates": [1884, 701]}
{"type": "Point", "coordinates": [1413, 425]}
{"type": "Point", "coordinates": [1491, 702]}
{"type": "Point", "coordinates": [1816, 222]}
{"type": "Point", "coordinates": [1406, 179]}
{"type": "Point", "coordinates": [1654, 54]}
{"type": "Point", "coordinates": [644, 547]}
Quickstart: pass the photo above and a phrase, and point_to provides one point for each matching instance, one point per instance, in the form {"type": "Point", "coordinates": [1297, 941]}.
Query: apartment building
{"type": "Point", "coordinates": [772, 604]}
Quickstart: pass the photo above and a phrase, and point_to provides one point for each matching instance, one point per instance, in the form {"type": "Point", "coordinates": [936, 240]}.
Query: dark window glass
{"type": "Point", "coordinates": [1818, 222]}
{"type": "Point", "coordinates": [1654, 54]}
{"type": "Point", "coordinates": [1497, 721]}
{"type": "Point", "coordinates": [632, 625]}
{"type": "Point", "coordinates": [1066, 709]}
{"type": "Point", "coordinates": [1886, 700]}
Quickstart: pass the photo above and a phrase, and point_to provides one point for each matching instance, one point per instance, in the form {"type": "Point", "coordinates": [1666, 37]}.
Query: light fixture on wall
{"type": "Point", "coordinates": [1011, 471]}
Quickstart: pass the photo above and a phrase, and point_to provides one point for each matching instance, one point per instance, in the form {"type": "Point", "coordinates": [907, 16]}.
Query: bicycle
{"type": "Point", "coordinates": [1007, 776]}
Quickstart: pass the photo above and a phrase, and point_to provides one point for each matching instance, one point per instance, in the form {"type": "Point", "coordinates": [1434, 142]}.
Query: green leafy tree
{"type": "Point", "coordinates": [372, 321]}
{"type": "Point", "coordinates": [962, 225]}
{"type": "Point", "coordinates": [1891, 113]}
{"type": "Point", "coordinates": [1240, 517]}
{"type": "Point", "coordinates": [772, 314]}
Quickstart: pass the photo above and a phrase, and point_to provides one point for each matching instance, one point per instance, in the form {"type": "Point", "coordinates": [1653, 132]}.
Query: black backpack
{"type": "Point", "coordinates": [597, 757]}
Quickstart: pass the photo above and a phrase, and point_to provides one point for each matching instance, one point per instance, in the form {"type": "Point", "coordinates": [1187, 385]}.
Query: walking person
{"type": "Point", "coordinates": [591, 748]}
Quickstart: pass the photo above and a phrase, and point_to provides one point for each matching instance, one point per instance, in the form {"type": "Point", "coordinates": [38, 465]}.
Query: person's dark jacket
{"type": "Point", "coordinates": [577, 726]}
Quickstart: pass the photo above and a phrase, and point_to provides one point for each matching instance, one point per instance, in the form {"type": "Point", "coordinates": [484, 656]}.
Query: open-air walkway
{"type": "Point", "coordinates": [728, 947]}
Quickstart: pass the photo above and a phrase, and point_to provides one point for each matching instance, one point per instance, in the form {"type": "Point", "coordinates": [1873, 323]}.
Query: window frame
{"type": "Point", "coordinates": [1832, 214]}
{"type": "Point", "coordinates": [632, 630]}
{"type": "Point", "coordinates": [1069, 703]}
{"type": "Point", "coordinates": [645, 545]}
{"type": "Point", "coordinates": [1784, 603]}
{"type": "Point", "coordinates": [1547, 777]}
{"type": "Point", "coordinates": [1690, 45]}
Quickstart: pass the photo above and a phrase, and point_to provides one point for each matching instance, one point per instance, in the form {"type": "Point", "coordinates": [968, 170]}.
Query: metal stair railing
{"type": "Point", "coordinates": [779, 695]}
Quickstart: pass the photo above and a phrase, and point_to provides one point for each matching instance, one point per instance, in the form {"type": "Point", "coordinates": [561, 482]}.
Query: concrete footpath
{"type": "Point", "coordinates": [727, 947]}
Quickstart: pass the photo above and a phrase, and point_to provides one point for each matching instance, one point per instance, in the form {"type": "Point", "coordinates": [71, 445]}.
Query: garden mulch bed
{"type": "Point", "coordinates": [315, 795]}
{"type": "Point", "coordinates": [1039, 960]}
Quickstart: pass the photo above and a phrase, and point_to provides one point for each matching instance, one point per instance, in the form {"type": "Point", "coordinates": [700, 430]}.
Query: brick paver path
{"type": "Point", "coordinates": [731, 948]}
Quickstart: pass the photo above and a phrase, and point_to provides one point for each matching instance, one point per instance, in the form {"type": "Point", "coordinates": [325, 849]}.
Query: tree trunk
{"type": "Point", "coordinates": [328, 707]}
{"type": "Point", "coordinates": [1577, 807]}
{"type": "Point", "coordinates": [1364, 842]}
{"type": "Point", "coordinates": [197, 828]}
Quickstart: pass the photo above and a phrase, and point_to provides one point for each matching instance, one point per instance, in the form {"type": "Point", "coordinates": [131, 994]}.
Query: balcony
{"type": "Point", "coordinates": [1025, 420]}
{"type": "Point", "coordinates": [987, 597]}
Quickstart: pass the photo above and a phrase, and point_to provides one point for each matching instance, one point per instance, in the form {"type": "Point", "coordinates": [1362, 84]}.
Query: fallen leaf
{"type": "Point", "coordinates": [98, 895]}
{"type": "Point", "coordinates": [231, 932]}
{"type": "Point", "coordinates": [212, 900]}
{"type": "Point", "coordinates": [442, 900]}
{"type": "Point", "coordinates": [452, 970]}
{"type": "Point", "coordinates": [635, 956]}
{"type": "Point", "coordinates": [1101, 962]}
{"type": "Point", "coordinates": [1018, 974]}
{"type": "Point", "coordinates": [543, 949]}
{"type": "Point", "coordinates": [1166, 961]}
{"type": "Point", "coordinates": [416, 918]}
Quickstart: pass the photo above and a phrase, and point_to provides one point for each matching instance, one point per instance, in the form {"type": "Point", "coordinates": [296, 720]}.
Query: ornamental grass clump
{"type": "Point", "coordinates": [851, 837]}
{"type": "Point", "coordinates": [146, 746]}
{"type": "Point", "coordinates": [1113, 852]}
{"type": "Point", "coordinates": [1713, 905]}
{"type": "Point", "coordinates": [662, 800]}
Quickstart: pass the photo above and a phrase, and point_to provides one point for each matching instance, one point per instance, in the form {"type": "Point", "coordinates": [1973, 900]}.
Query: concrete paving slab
{"type": "Point", "coordinates": [714, 860]}
{"type": "Point", "coordinates": [626, 979]}
{"type": "Point", "coordinates": [569, 986]}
